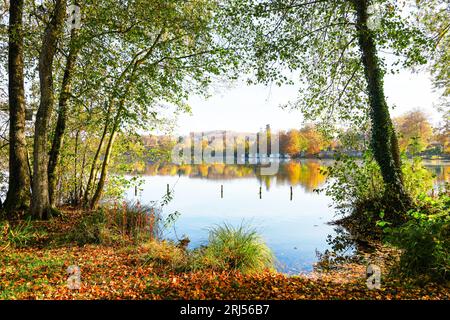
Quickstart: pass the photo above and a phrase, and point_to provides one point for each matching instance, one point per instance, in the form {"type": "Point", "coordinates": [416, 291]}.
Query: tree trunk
{"type": "Point", "coordinates": [83, 165]}
{"type": "Point", "coordinates": [93, 171]}
{"type": "Point", "coordinates": [40, 204]}
{"type": "Point", "coordinates": [58, 137]}
{"type": "Point", "coordinates": [75, 189]}
{"type": "Point", "coordinates": [116, 122]}
{"type": "Point", "coordinates": [101, 183]}
{"type": "Point", "coordinates": [384, 141]}
{"type": "Point", "coordinates": [18, 196]}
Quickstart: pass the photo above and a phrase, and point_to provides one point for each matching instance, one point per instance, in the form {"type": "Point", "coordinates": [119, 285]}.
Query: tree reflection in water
{"type": "Point", "coordinates": [343, 249]}
{"type": "Point", "coordinates": [305, 173]}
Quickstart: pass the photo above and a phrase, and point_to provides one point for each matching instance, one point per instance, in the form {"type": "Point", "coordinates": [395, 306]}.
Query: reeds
{"type": "Point", "coordinates": [134, 221]}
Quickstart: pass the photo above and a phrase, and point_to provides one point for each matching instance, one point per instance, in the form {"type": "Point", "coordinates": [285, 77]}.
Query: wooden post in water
{"type": "Point", "coordinates": [291, 193]}
{"type": "Point", "coordinates": [135, 191]}
{"type": "Point", "coordinates": [168, 191]}
{"type": "Point", "coordinates": [260, 192]}
{"type": "Point", "coordinates": [221, 190]}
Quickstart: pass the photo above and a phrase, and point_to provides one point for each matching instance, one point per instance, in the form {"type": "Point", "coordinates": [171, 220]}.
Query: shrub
{"type": "Point", "coordinates": [235, 248]}
{"type": "Point", "coordinates": [416, 178]}
{"type": "Point", "coordinates": [425, 240]}
{"type": "Point", "coordinates": [357, 188]}
{"type": "Point", "coordinates": [229, 249]}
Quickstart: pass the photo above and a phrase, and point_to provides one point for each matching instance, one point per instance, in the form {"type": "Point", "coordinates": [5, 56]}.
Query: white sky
{"type": "Point", "coordinates": [249, 108]}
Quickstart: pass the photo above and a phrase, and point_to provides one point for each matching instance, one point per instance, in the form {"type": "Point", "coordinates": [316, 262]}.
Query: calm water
{"type": "Point", "coordinates": [293, 228]}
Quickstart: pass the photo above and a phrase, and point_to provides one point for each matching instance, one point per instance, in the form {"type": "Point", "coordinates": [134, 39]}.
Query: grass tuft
{"type": "Point", "coordinates": [236, 248]}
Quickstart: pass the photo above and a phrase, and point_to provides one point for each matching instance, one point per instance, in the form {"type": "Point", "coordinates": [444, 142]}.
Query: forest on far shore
{"type": "Point", "coordinates": [416, 136]}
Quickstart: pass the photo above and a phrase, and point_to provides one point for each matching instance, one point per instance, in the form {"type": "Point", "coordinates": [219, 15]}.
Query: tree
{"type": "Point", "coordinates": [414, 131]}
{"type": "Point", "coordinates": [18, 196]}
{"type": "Point", "coordinates": [336, 53]}
{"type": "Point", "coordinates": [442, 132]}
{"type": "Point", "coordinates": [314, 139]}
{"type": "Point", "coordinates": [292, 146]}
{"type": "Point", "coordinates": [58, 135]}
{"type": "Point", "coordinates": [384, 140]}
{"type": "Point", "coordinates": [434, 15]}
{"type": "Point", "coordinates": [40, 204]}
{"type": "Point", "coordinates": [130, 61]}
{"type": "Point", "coordinates": [153, 54]}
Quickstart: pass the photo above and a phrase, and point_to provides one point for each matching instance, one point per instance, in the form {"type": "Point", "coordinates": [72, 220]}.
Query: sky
{"type": "Point", "coordinates": [248, 108]}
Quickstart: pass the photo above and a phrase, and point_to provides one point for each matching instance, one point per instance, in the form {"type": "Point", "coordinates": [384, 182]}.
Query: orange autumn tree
{"type": "Point", "coordinates": [442, 132]}
{"type": "Point", "coordinates": [293, 143]}
{"type": "Point", "coordinates": [414, 131]}
{"type": "Point", "coordinates": [315, 140]}
{"type": "Point", "coordinates": [307, 139]}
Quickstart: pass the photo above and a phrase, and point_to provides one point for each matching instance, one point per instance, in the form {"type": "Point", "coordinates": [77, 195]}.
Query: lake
{"type": "Point", "coordinates": [294, 227]}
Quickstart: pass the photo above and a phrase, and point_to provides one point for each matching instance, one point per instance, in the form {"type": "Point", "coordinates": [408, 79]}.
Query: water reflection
{"type": "Point", "coordinates": [441, 169]}
{"type": "Point", "coordinates": [342, 247]}
{"type": "Point", "coordinates": [304, 173]}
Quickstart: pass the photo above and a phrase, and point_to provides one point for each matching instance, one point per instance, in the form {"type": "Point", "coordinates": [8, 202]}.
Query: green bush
{"type": "Point", "coordinates": [416, 178]}
{"type": "Point", "coordinates": [235, 248]}
{"type": "Point", "coordinates": [357, 189]}
{"type": "Point", "coordinates": [425, 240]}
{"type": "Point", "coordinates": [423, 235]}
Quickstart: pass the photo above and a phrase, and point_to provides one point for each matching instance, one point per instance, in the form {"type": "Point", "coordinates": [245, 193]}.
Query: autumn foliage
{"type": "Point", "coordinates": [157, 270]}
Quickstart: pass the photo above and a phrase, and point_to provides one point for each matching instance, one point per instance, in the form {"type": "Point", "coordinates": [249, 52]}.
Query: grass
{"type": "Point", "coordinates": [129, 224]}
{"type": "Point", "coordinates": [122, 224]}
{"type": "Point", "coordinates": [26, 271]}
{"type": "Point", "coordinates": [18, 235]}
{"type": "Point", "coordinates": [166, 255]}
{"type": "Point", "coordinates": [236, 248]}
{"type": "Point", "coordinates": [229, 248]}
